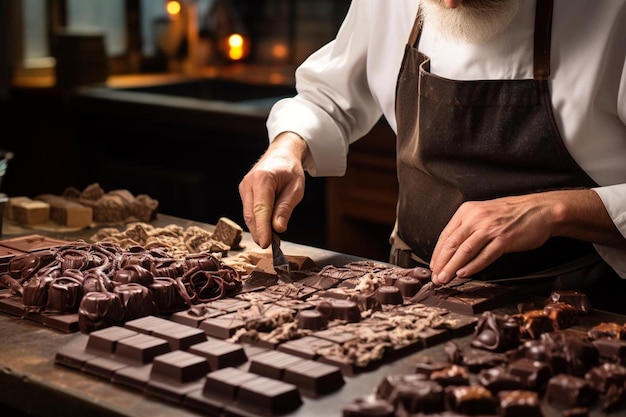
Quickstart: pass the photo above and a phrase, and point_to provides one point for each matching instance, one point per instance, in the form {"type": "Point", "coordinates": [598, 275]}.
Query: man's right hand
{"type": "Point", "coordinates": [273, 187]}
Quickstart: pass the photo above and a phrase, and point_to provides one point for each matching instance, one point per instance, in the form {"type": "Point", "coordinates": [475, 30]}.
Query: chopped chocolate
{"type": "Point", "coordinates": [471, 399]}
{"type": "Point", "coordinates": [570, 391]}
{"type": "Point", "coordinates": [519, 403]}
{"type": "Point", "coordinates": [577, 299]}
{"type": "Point", "coordinates": [605, 375]}
{"type": "Point", "coordinates": [499, 379]}
{"type": "Point", "coordinates": [497, 333]}
{"type": "Point", "coordinates": [534, 323]}
{"type": "Point", "coordinates": [533, 374]}
{"type": "Point", "coordinates": [606, 330]}
{"type": "Point", "coordinates": [451, 375]}
{"type": "Point", "coordinates": [563, 315]}
{"type": "Point", "coordinates": [368, 406]}
{"type": "Point", "coordinates": [612, 350]}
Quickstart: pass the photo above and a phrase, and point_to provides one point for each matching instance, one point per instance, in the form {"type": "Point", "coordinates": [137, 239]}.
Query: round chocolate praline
{"type": "Point", "coordinates": [311, 320]}
{"type": "Point", "coordinates": [388, 294]}
{"type": "Point", "coordinates": [409, 286]}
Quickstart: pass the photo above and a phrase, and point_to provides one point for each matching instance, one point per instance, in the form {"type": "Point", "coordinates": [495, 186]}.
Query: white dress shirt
{"type": "Point", "coordinates": [347, 85]}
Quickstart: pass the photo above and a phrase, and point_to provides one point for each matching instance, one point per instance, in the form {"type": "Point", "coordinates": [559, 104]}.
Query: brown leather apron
{"type": "Point", "coordinates": [479, 140]}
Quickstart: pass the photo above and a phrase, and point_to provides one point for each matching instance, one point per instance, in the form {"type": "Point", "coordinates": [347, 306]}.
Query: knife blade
{"type": "Point", "coordinates": [279, 260]}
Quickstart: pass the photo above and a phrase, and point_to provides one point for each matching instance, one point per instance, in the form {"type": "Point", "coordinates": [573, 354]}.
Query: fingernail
{"type": "Point", "coordinates": [442, 277]}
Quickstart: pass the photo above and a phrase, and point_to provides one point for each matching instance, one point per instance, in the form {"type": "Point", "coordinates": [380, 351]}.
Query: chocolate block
{"type": "Point", "coordinates": [220, 327]}
{"type": "Point", "coordinates": [268, 395]}
{"type": "Point", "coordinates": [471, 400]}
{"type": "Point", "coordinates": [179, 336]}
{"type": "Point", "coordinates": [612, 350]}
{"type": "Point", "coordinates": [497, 333]}
{"type": "Point", "coordinates": [418, 396]}
{"type": "Point", "coordinates": [606, 330]}
{"type": "Point", "coordinates": [519, 403]}
{"type": "Point", "coordinates": [577, 299]}
{"type": "Point", "coordinates": [451, 375]}
{"type": "Point", "coordinates": [368, 406]}
{"type": "Point", "coordinates": [146, 324]}
{"type": "Point", "coordinates": [533, 374]}
{"type": "Point", "coordinates": [103, 367]}
{"type": "Point", "coordinates": [135, 377]}
{"type": "Point", "coordinates": [499, 379]}
{"type": "Point", "coordinates": [308, 347]}
{"type": "Point", "coordinates": [602, 377]}
{"type": "Point", "coordinates": [179, 367]}
{"type": "Point", "coordinates": [228, 305]}
{"type": "Point", "coordinates": [570, 391]}
{"type": "Point", "coordinates": [140, 349]}
{"type": "Point", "coordinates": [104, 341]}
{"type": "Point", "coordinates": [224, 383]}
{"type": "Point", "coordinates": [32, 243]}
{"type": "Point", "coordinates": [66, 323]}
{"type": "Point", "coordinates": [219, 353]}
{"type": "Point", "coordinates": [272, 364]}
{"type": "Point", "coordinates": [313, 378]}
{"type": "Point", "coordinates": [195, 315]}
{"type": "Point", "coordinates": [73, 356]}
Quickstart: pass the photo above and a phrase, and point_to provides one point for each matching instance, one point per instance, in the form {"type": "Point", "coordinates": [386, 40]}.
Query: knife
{"type": "Point", "coordinates": [280, 262]}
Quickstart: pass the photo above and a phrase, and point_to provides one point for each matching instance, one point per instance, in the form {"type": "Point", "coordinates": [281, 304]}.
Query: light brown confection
{"type": "Point", "coordinates": [29, 212]}
{"type": "Point", "coordinates": [92, 192]}
{"type": "Point", "coordinates": [66, 212]}
{"type": "Point", "coordinates": [110, 208]}
{"type": "Point", "coordinates": [228, 232]}
{"type": "Point", "coordinates": [144, 208]}
{"type": "Point", "coordinates": [8, 207]}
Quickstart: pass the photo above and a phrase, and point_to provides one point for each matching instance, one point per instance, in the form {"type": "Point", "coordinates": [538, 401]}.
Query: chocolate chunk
{"type": "Point", "coordinates": [98, 310]}
{"type": "Point", "coordinates": [519, 403]}
{"type": "Point", "coordinates": [179, 367]}
{"type": "Point", "coordinates": [311, 320]}
{"type": "Point", "coordinates": [606, 330]}
{"type": "Point", "coordinates": [269, 395]}
{"type": "Point", "coordinates": [499, 379]}
{"type": "Point", "coordinates": [533, 374]}
{"type": "Point", "coordinates": [104, 341]}
{"type": "Point", "coordinates": [219, 353]}
{"type": "Point", "coordinates": [272, 364]}
{"type": "Point", "coordinates": [388, 294]}
{"type": "Point", "coordinates": [471, 399]}
{"type": "Point", "coordinates": [368, 406]}
{"type": "Point", "coordinates": [570, 391]}
{"type": "Point", "coordinates": [408, 286]}
{"type": "Point", "coordinates": [179, 336]}
{"type": "Point", "coordinates": [314, 378]}
{"type": "Point", "coordinates": [563, 315]}
{"type": "Point", "coordinates": [612, 350]}
{"type": "Point", "coordinates": [418, 396]}
{"type": "Point", "coordinates": [577, 299]}
{"type": "Point", "coordinates": [534, 323]}
{"type": "Point", "coordinates": [140, 349]}
{"type": "Point", "coordinates": [497, 333]}
{"type": "Point", "coordinates": [603, 376]}
{"type": "Point", "coordinates": [451, 375]}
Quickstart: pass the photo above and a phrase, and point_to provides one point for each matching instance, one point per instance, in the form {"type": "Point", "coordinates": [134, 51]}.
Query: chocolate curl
{"type": "Point", "coordinates": [12, 284]}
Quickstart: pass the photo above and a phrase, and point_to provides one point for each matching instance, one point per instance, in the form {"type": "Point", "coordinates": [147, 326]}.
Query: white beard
{"type": "Point", "coordinates": [473, 21]}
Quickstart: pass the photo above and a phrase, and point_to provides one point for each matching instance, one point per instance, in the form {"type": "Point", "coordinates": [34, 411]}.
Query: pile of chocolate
{"type": "Point", "coordinates": [516, 364]}
{"type": "Point", "coordinates": [108, 285]}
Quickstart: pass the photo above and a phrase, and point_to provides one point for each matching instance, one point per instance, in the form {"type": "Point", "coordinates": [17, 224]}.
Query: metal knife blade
{"type": "Point", "coordinates": [280, 262]}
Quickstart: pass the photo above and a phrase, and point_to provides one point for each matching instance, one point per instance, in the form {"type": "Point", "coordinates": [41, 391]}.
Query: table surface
{"type": "Point", "coordinates": [30, 381]}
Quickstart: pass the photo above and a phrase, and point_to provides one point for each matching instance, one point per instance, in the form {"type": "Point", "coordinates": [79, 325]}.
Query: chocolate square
{"type": "Point", "coordinates": [146, 324]}
{"type": "Point", "coordinates": [268, 395]}
{"type": "Point", "coordinates": [220, 327]}
{"type": "Point", "coordinates": [533, 374]}
{"type": "Point", "coordinates": [104, 341]}
{"type": "Point", "coordinates": [219, 353]}
{"type": "Point", "coordinates": [179, 336]}
{"type": "Point", "coordinates": [135, 377]}
{"type": "Point", "coordinates": [314, 378]}
{"type": "Point", "coordinates": [273, 364]}
{"type": "Point", "coordinates": [179, 367]}
{"type": "Point", "coordinates": [224, 383]}
{"type": "Point", "coordinates": [140, 349]}
{"type": "Point", "coordinates": [307, 347]}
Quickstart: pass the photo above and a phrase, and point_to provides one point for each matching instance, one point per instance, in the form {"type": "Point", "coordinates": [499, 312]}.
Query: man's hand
{"type": "Point", "coordinates": [482, 231]}
{"type": "Point", "coordinates": [273, 187]}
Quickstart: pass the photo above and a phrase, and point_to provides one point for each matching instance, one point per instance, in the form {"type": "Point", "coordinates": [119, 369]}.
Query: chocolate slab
{"type": "Point", "coordinates": [32, 243]}
{"type": "Point", "coordinates": [219, 353]}
{"type": "Point", "coordinates": [570, 391]}
{"type": "Point", "coordinates": [221, 328]}
{"type": "Point", "coordinates": [268, 395]}
{"type": "Point", "coordinates": [73, 356]}
{"type": "Point", "coordinates": [195, 315]}
{"type": "Point", "coordinates": [224, 383]}
{"type": "Point", "coordinates": [146, 324]}
{"type": "Point", "coordinates": [104, 341]}
{"type": "Point", "coordinates": [103, 367]}
{"type": "Point", "coordinates": [13, 306]}
{"type": "Point", "coordinates": [135, 377]}
{"type": "Point", "coordinates": [308, 347]}
{"type": "Point", "coordinates": [66, 323]}
{"type": "Point", "coordinates": [273, 364]}
{"type": "Point", "coordinates": [314, 378]}
{"type": "Point", "coordinates": [140, 349]}
{"type": "Point", "coordinates": [179, 367]}
{"type": "Point", "coordinates": [179, 336]}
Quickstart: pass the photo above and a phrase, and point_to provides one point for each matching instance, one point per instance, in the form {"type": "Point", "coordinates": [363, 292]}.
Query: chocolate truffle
{"type": "Point", "coordinates": [496, 333]}
{"type": "Point", "coordinates": [519, 403]}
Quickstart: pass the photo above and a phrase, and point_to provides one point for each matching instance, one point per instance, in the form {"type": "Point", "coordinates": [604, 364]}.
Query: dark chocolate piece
{"type": "Point", "coordinates": [603, 376]}
{"type": "Point", "coordinates": [607, 330]}
{"type": "Point", "coordinates": [563, 315]}
{"type": "Point", "coordinates": [388, 294]}
{"type": "Point", "coordinates": [418, 396]}
{"type": "Point", "coordinates": [136, 299]}
{"type": "Point", "coordinates": [104, 341]}
{"type": "Point", "coordinates": [499, 379]}
{"type": "Point", "coordinates": [179, 336]}
{"type": "Point", "coordinates": [612, 350]}
{"type": "Point", "coordinates": [219, 353]}
{"type": "Point", "coordinates": [268, 395]}
{"type": "Point", "coordinates": [471, 399]}
{"type": "Point", "coordinates": [220, 327]}
{"type": "Point", "coordinates": [519, 403]}
{"type": "Point", "coordinates": [497, 333]}
{"type": "Point", "coordinates": [577, 299]}
{"type": "Point", "coordinates": [179, 367]}
{"type": "Point", "coordinates": [273, 364]}
{"type": "Point", "coordinates": [140, 349]}
{"type": "Point", "coordinates": [533, 374]}
{"type": "Point", "coordinates": [570, 391]}
{"type": "Point", "coordinates": [146, 324]}
{"type": "Point", "coordinates": [311, 320]}
{"type": "Point", "coordinates": [314, 378]}
{"type": "Point", "coordinates": [534, 323]}
{"type": "Point", "coordinates": [451, 375]}
{"type": "Point", "coordinates": [98, 310]}
{"type": "Point", "coordinates": [408, 286]}
{"type": "Point", "coordinates": [368, 406]}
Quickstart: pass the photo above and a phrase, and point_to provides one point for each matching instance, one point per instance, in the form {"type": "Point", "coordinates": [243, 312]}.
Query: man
{"type": "Point", "coordinates": [511, 125]}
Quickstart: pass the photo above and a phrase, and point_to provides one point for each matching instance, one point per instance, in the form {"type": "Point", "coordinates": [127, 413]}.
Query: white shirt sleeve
{"type": "Point", "coordinates": [334, 105]}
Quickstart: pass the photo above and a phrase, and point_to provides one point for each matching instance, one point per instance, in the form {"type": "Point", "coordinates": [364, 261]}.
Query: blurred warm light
{"type": "Point", "coordinates": [173, 7]}
{"type": "Point", "coordinates": [279, 51]}
{"type": "Point", "coordinates": [237, 47]}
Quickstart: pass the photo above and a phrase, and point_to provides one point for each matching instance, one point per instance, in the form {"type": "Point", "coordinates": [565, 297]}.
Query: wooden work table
{"type": "Point", "coordinates": [32, 383]}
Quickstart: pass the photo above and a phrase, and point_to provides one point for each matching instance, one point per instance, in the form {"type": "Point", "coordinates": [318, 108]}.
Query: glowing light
{"type": "Point", "coordinates": [235, 40]}
{"type": "Point", "coordinates": [173, 7]}
{"type": "Point", "coordinates": [279, 50]}
{"type": "Point", "coordinates": [237, 47]}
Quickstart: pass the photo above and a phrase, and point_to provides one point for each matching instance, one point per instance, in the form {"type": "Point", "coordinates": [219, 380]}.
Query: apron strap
{"type": "Point", "coordinates": [543, 37]}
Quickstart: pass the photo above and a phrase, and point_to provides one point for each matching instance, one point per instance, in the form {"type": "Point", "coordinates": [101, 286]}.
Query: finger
{"type": "Point", "coordinates": [447, 244]}
{"type": "Point", "coordinates": [263, 207]}
{"type": "Point", "coordinates": [285, 204]}
{"type": "Point", "coordinates": [247, 200]}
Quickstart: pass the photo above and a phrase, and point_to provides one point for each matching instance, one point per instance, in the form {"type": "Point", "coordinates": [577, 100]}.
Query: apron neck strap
{"type": "Point", "coordinates": [543, 37]}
